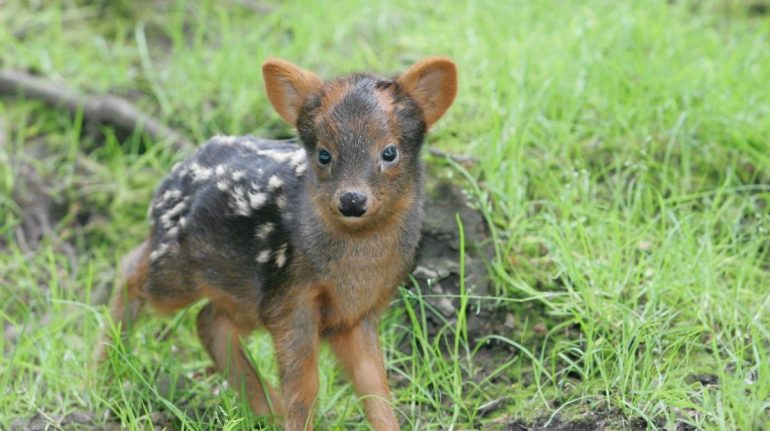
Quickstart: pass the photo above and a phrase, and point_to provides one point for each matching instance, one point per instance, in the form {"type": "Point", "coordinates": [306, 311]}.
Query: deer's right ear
{"type": "Point", "coordinates": [287, 87]}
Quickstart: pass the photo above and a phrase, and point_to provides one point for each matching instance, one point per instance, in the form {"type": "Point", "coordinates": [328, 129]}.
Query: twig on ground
{"type": "Point", "coordinates": [105, 109]}
{"type": "Point", "coordinates": [461, 159]}
{"type": "Point", "coordinates": [490, 406]}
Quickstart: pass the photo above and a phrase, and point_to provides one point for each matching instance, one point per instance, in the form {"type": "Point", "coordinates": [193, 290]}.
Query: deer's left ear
{"type": "Point", "coordinates": [287, 87]}
{"type": "Point", "coordinates": [432, 82]}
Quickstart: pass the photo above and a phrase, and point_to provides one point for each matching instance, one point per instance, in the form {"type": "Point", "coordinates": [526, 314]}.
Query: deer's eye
{"type": "Point", "coordinates": [390, 154]}
{"type": "Point", "coordinates": [324, 157]}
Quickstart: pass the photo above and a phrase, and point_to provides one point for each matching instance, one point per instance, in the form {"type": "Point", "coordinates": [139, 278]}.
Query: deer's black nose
{"type": "Point", "coordinates": [352, 204]}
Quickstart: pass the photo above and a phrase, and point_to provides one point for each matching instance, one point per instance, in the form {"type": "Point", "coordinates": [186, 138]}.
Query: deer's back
{"type": "Point", "coordinates": [221, 219]}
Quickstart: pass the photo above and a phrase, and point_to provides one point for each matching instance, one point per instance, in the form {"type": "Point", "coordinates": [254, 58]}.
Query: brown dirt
{"type": "Point", "coordinates": [437, 269]}
{"type": "Point", "coordinates": [599, 420]}
{"type": "Point", "coordinates": [78, 420]}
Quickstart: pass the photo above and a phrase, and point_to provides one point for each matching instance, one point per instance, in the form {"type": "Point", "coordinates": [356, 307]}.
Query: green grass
{"type": "Point", "coordinates": [624, 167]}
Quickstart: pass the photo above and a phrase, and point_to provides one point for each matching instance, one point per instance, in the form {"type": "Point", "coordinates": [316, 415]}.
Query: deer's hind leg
{"type": "Point", "coordinates": [127, 299]}
{"type": "Point", "coordinates": [166, 290]}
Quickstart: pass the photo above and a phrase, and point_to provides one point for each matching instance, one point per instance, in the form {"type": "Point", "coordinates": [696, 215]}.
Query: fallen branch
{"type": "Point", "coordinates": [118, 112]}
{"type": "Point", "coordinates": [105, 109]}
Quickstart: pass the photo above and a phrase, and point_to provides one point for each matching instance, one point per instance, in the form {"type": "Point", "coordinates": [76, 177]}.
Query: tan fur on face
{"type": "Point", "coordinates": [333, 93]}
{"type": "Point", "coordinates": [385, 99]}
{"type": "Point", "coordinates": [381, 130]}
{"type": "Point", "coordinates": [380, 219]}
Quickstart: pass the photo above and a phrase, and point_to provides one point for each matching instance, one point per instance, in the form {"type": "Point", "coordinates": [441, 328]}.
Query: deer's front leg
{"type": "Point", "coordinates": [296, 337]}
{"type": "Point", "coordinates": [358, 350]}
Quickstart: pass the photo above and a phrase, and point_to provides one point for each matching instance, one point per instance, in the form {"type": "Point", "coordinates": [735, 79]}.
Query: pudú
{"type": "Point", "coordinates": [307, 238]}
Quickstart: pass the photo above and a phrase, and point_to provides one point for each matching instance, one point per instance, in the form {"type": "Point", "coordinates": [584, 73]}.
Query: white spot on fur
{"type": "Point", "coordinates": [241, 204]}
{"type": "Point", "coordinates": [280, 257]}
{"type": "Point", "coordinates": [158, 252]}
{"type": "Point", "coordinates": [298, 158]}
{"type": "Point", "coordinates": [200, 173]}
{"type": "Point", "coordinates": [173, 232]}
{"type": "Point", "coordinates": [225, 139]}
{"type": "Point", "coordinates": [300, 169]}
{"type": "Point", "coordinates": [172, 194]}
{"type": "Point", "coordinates": [220, 170]}
{"type": "Point", "coordinates": [264, 230]}
{"type": "Point", "coordinates": [168, 197]}
{"type": "Point", "coordinates": [278, 156]}
{"type": "Point", "coordinates": [183, 171]}
{"type": "Point", "coordinates": [182, 222]}
{"type": "Point", "coordinates": [274, 182]}
{"type": "Point", "coordinates": [238, 175]}
{"type": "Point", "coordinates": [294, 157]}
{"type": "Point", "coordinates": [281, 202]}
{"type": "Point", "coordinates": [167, 217]}
{"type": "Point", "coordinates": [256, 200]}
{"type": "Point", "coordinates": [263, 256]}
{"type": "Point", "coordinates": [223, 185]}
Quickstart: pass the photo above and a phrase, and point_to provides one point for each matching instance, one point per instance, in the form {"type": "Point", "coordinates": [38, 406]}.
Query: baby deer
{"type": "Point", "coordinates": [307, 239]}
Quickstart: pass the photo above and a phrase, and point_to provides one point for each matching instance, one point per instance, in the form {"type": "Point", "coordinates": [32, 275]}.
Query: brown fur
{"type": "Point", "coordinates": [333, 93]}
{"type": "Point", "coordinates": [342, 271]}
{"type": "Point", "coordinates": [287, 85]}
{"type": "Point", "coordinates": [359, 353]}
{"type": "Point", "coordinates": [222, 339]}
{"type": "Point", "coordinates": [433, 82]}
